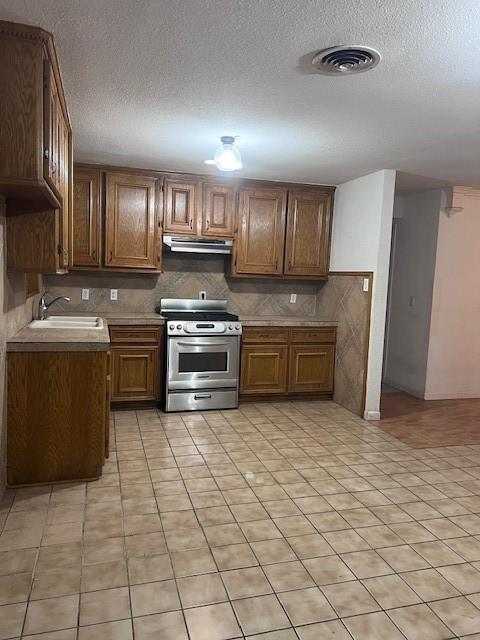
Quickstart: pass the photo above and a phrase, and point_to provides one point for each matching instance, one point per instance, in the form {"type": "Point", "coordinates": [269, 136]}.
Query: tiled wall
{"type": "Point", "coordinates": [341, 299]}
{"type": "Point", "coordinates": [15, 313]}
{"type": "Point", "coordinates": [184, 278]}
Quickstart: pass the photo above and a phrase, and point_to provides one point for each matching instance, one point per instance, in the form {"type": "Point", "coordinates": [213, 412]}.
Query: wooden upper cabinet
{"type": "Point", "coordinates": [308, 233]}
{"type": "Point", "coordinates": [85, 218]}
{"type": "Point", "coordinates": [181, 206]}
{"type": "Point", "coordinates": [34, 119]}
{"type": "Point", "coordinates": [218, 213]}
{"type": "Point", "coordinates": [130, 221]}
{"type": "Point", "coordinates": [261, 231]}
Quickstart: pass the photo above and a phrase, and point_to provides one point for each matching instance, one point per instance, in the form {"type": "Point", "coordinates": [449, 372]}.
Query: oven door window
{"type": "Point", "coordinates": [202, 362]}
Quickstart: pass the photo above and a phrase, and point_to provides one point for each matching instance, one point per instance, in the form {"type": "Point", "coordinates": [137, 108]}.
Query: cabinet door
{"type": "Point", "coordinates": [65, 187]}
{"type": "Point", "coordinates": [308, 233]}
{"type": "Point", "coordinates": [264, 369]}
{"type": "Point", "coordinates": [180, 207]}
{"type": "Point", "coordinates": [85, 218]}
{"type": "Point", "coordinates": [130, 221]}
{"type": "Point", "coordinates": [218, 210]}
{"type": "Point", "coordinates": [261, 232]}
{"type": "Point", "coordinates": [311, 368]}
{"type": "Point", "coordinates": [135, 373]}
{"type": "Point", "coordinates": [51, 130]}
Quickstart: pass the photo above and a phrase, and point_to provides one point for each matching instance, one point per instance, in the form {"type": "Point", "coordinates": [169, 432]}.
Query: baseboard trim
{"type": "Point", "coordinates": [456, 395]}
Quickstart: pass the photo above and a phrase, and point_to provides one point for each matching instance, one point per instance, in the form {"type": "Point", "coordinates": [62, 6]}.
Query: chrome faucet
{"type": "Point", "coordinates": [43, 305]}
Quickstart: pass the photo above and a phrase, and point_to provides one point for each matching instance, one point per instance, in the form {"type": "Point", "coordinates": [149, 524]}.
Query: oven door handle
{"type": "Point", "coordinates": [203, 344]}
{"type": "Point", "coordinates": [202, 396]}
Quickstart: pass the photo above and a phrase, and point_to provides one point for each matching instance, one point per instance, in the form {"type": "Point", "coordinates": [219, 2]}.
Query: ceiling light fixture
{"type": "Point", "coordinates": [227, 157]}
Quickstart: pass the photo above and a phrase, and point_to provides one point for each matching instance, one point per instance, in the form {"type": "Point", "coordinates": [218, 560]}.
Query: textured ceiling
{"type": "Point", "coordinates": [154, 83]}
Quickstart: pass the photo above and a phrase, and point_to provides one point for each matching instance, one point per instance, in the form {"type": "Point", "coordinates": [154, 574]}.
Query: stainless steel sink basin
{"type": "Point", "coordinates": [68, 322]}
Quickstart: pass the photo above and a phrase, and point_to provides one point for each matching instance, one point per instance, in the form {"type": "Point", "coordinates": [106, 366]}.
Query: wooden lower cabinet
{"type": "Point", "coordinates": [57, 416]}
{"type": "Point", "coordinates": [135, 373]}
{"type": "Point", "coordinates": [136, 364]}
{"type": "Point", "coordinates": [287, 361]}
{"type": "Point", "coordinates": [311, 368]}
{"type": "Point", "coordinates": [264, 369]}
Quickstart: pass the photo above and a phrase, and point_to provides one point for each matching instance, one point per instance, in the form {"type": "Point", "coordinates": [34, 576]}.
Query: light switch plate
{"type": "Point", "coordinates": [366, 284]}
{"type": "Point", "coordinates": [293, 298]}
{"type": "Point", "coordinates": [113, 294]}
{"type": "Point", "coordinates": [85, 294]}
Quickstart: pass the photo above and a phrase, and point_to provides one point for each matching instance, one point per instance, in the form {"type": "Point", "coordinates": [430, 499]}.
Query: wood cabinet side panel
{"type": "Point", "coordinates": [21, 109]}
{"type": "Point", "coordinates": [32, 242]}
{"type": "Point", "coordinates": [55, 415]}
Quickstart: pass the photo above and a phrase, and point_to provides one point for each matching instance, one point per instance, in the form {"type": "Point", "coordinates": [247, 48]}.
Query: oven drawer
{"type": "Point", "coordinates": [202, 400]}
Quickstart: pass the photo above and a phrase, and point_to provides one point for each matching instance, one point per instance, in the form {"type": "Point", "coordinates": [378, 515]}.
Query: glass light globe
{"type": "Point", "coordinates": [227, 157]}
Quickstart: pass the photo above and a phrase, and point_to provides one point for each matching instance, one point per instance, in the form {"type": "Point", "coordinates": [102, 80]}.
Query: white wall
{"type": "Point", "coordinates": [362, 224]}
{"type": "Point", "coordinates": [454, 352]}
{"type": "Point", "coordinates": [410, 304]}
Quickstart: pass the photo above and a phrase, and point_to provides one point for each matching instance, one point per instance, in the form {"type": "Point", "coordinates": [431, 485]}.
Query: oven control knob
{"type": "Point", "coordinates": [237, 327]}
{"type": "Point", "coordinates": [230, 327]}
{"type": "Point", "coordinates": [179, 326]}
{"type": "Point", "coordinates": [171, 327]}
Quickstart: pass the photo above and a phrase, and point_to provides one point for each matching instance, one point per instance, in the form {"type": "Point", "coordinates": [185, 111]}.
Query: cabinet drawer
{"type": "Point", "coordinates": [265, 334]}
{"type": "Point", "coordinates": [311, 334]}
{"type": "Point", "coordinates": [130, 335]}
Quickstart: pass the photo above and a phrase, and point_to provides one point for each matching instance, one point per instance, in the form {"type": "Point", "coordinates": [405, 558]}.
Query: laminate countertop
{"type": "Point", "coordinates": [285, 321]}
{"type": "Point", "coordinates": [28, 339]}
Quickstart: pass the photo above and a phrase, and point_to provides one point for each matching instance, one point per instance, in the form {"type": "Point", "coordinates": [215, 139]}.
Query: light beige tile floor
{"type": "Point", "coordinates": [273, 522]}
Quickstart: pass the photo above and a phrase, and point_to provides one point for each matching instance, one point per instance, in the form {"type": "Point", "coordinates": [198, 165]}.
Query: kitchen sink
{"type": "Point", "coordinates": [68, 322]}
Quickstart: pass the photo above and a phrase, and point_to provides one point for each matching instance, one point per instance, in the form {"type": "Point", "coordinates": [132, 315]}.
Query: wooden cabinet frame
{"type": "Point", "coordinates": [103, 254]}
{"type": "Point", "coordinates": [281, 361]}
{"type": "Point", "coordinates": [137, 369]}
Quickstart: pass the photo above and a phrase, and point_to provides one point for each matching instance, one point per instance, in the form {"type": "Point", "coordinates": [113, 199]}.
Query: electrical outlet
{"type": "Point", "coordinates": [366, 284]}
{"type": "Point", "coordinates": [113, 294]}
{"type": "Point", "coordinates": [85, 294]}
{"type": "Point", "coordinates": [202, 295]}
{"type": "Point", "coordinates": [293, 298]}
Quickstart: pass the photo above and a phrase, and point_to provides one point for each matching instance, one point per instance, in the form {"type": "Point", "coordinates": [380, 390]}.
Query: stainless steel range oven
{"type": "Point", "coordinates": [203, 351]}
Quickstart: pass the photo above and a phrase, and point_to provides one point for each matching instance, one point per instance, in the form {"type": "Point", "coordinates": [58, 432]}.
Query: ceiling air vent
{"type": "Point", "coordinates": [345, 60]}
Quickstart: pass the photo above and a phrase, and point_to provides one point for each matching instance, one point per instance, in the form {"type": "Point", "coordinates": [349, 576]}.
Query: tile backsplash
{"type": "Point", "coordinates": [340, 299]}
{"type": "Point", "coordinates": [184, 278]}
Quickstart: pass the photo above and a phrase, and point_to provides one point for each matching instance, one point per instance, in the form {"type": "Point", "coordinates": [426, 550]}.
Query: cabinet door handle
{"type": "Point", "coordinates": [190, 224]}
{"type": "Point", "coordinates": [207, 224]}
{"type": "Point", "coordinates": [111, 256]}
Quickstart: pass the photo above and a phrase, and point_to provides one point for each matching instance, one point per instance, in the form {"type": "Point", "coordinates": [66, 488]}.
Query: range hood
{"type": "Point", "coordinates": [197, 245]}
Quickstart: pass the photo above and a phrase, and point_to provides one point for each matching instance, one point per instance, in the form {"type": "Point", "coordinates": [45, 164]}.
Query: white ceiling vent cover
{"type": "Point", "coordinates": [346, 60]}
